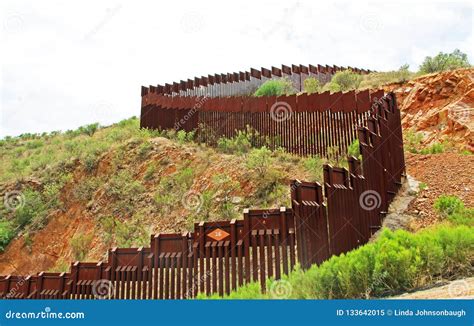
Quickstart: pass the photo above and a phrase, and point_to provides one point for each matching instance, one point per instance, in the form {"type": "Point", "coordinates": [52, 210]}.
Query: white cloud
{"type": "Point", "coordinates": [65, 64]}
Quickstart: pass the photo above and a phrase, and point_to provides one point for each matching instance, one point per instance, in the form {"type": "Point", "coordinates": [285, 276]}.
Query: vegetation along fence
{"type": "Point", "coordinates": [217, 257]}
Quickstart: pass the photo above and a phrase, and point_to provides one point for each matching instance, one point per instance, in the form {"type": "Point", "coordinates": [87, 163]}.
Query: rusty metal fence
{"type": "Point", "coordinates": [305, 124]}
{"type": "Point", "coordinates": [217, 257]}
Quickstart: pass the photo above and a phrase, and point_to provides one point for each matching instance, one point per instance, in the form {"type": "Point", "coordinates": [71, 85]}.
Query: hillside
{"type": "Point", "coordinates": [83, 191]}
{"type": "Point", "coordinates": [119, 185]}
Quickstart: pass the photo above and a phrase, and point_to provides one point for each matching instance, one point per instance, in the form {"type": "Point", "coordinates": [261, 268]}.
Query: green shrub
{"type": "Point", "coordinates": [84, 190]}
{"type": "Point", "coordinates": [7, 233]}
{"type": "Point", "coordinates": [225, 187]}
{"type": "Point", "coordinates": [259, 160]}
{"type": "Point", "coordinates": [343, 81]}
{"type": "Point", "coordinates": [396, 262]}
{"type": "Point", "coordinates": [171, 189]}
{"type": "Point", "coordinates": [239, 144]}
{"type": "Point", "coordinates": [123, 186]}
{"type": "Point", "coordinates": [80, 245]}
{"type": "Point", "coordinates": [150, 172]}
{"type": "Point", "coordinates": [124, 190]}
{"type": "Point", "coordinates": [268, 178]}
{"type": "Point", "coordinates": [144, 149]}
{"type": "Point", "coordinates": [446, 205]}
{"type": "Point", "coordinates": [464, 217]}
{"type": "Point", "coordinates": [453, 209]}
{"type": "Point", "coordinates": [128, 233]}
{"type": "Point", "coordinates": [28, 241]}
{"type": "Point", "coordinates": [249, 291]}
{"type": "Point", "coordinates": [184, 178]}
{"type": "Point", "coordinates": [354, 149]}
{"type": "Point", "coordinates": [36, 143]}
{"type": "Point", "coordinates": [314, 166]}
{"type": "Point", "coordinates": [413, 141]}
{"type": "Point", "coordinates": [182, 136]}
{"type": "Point", "coordinates": [435, 148]}
{"type": "Point", "coordinates": [444, 61]}
{"type": "Point", "coordinates": [275, 87]}
{"type": "Point", "coordinates": [312, 85]}
{"type": "Point", "coordinates": [423, 186]}
{"type": "Point", "coordinates": [90, 162]}
{"type": "Point", "coordinates": [34, 208]}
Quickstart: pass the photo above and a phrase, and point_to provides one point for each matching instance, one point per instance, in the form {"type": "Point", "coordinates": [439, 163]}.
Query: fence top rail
{"type": "Point", "coordinates": [236, 77]}
{"type": "Point", "coordinates": [360, 101]}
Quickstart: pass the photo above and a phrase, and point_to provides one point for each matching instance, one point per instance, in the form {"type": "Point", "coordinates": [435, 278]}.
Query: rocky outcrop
{"type": "Point", "coordinates": [441, 106]}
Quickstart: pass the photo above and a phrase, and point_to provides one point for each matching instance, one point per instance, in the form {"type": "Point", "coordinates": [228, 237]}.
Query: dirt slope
{"type": "Point", "coordinates": [50, 248]}
{"type": "Point", "coordinates": [444, 173]}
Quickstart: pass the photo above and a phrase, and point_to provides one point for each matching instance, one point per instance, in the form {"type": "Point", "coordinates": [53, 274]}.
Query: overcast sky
{"type": "Point", "coordinates": [70, 63]}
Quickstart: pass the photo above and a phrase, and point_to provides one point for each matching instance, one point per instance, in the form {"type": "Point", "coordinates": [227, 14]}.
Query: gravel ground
{"type": "Point", "coordinates": [445, 173]}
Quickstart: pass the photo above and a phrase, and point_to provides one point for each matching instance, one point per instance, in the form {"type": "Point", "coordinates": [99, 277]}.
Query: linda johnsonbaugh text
{"type": "Point", "coordinates": [401, 312]}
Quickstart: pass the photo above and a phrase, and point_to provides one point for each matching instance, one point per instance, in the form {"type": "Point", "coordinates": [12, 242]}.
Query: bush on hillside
{"type": "Point", "coordinates": [452, 208]}
{"type": "Point", "coordinates": [6, 234]}
{"type": "Point", "coordinates": [80, 245]}
{"type": "Point", "coordinates": [239, 144]}
{"type": "Point", "coordinates": [313, 165]}
{"type": "Point", "coordinates": [275, 87]}
{"type": "Point", "coordinates": [268, 179]}
{"type": "Point", "coordinates": [89, 129]}
{"type": "Point", "coordinates": [259, 160]}
{"type": "Point", "coordinates": [128, 233]}
{"type": "Point", "coordinates": [444, 61]}
{"type": "Point", "coordinates": [343, 81]}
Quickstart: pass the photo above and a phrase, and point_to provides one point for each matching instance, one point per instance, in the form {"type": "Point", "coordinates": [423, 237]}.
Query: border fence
{"type": "Point", "coordinates": [217, 257]}
{"type": "Point", "coordinates": [245, 82]}
{"type": "Point", "coordinates": [305, 124]}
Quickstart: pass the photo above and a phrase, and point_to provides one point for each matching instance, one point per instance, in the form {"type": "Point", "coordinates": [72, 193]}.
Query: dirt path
{"type": "Point", "coordinates": [458, 289]}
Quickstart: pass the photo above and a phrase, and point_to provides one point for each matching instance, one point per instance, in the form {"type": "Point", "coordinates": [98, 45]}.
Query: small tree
{"type": "Point", "coordinates": [445, 61]}
{"type": "Point", "coordinates": [89, 129]}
